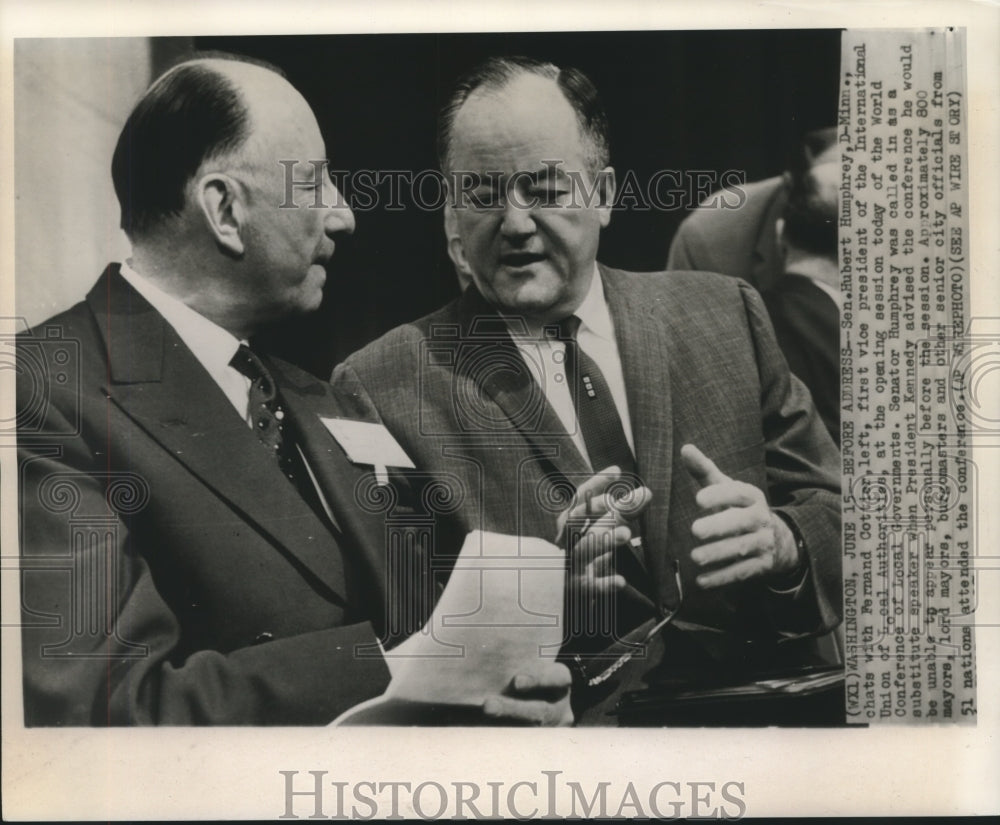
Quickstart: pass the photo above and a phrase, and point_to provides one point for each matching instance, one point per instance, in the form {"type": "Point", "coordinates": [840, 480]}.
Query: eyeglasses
{"type": "Point", "coordinates": [630, 645]}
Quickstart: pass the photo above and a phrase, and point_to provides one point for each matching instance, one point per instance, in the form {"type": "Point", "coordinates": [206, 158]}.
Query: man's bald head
{"type": "Point", "coordinates": [497, 74]}
{"type": "Point", "coordinates": [198, 111]}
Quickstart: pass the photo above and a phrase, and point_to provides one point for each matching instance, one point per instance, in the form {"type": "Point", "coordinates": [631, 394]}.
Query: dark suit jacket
{"type": "Point", "coordinates": [701, 365]}
{"type": "Point", "coordinates": [171, 574]}
{"type": "Point", "coordinates": [807, 325]}
{"type": "Point", "coordinates": [740, 242]}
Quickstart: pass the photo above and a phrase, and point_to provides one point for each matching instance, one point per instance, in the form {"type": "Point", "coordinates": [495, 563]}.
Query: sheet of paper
{"type": "Point", "coordinates": [500, 613]}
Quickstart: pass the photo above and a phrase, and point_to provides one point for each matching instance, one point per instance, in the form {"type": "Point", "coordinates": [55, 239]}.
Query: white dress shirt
{"type": "Point", "coordinates": [213, 346]}
{"type": "Point", "coordinates": [545, 358]}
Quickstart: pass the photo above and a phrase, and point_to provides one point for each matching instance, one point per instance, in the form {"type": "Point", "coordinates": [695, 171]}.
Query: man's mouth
{"type": "Point", "coordinates": [520, 259]}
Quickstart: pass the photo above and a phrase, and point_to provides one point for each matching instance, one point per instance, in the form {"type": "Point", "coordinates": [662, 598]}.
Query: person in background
{"type": "Point", "coordinates": [804, 303]}
{"type": "Point", "coordinates": [742, 242]}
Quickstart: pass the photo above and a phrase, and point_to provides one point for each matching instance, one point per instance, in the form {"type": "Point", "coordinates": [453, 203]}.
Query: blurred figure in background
{"type": "Point", "coordinates": [742, 242]}
{"type": "Point", "coordinates": [804, 303]}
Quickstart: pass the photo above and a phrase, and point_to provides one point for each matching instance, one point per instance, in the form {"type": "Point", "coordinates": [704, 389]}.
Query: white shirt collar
{"type": "Point", "coordinates": [593, 312]}
{"type": "Point", "coordinates": [213, 346]}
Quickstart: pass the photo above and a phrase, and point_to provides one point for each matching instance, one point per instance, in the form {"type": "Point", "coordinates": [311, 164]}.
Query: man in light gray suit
{"type": "Point", "coordinates": [552, 367]}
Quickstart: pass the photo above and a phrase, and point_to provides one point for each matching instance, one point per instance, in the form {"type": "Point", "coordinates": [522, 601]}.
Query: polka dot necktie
{"type": "Point", "coordinates": [264, 411]}
{"type": "Point", "coordinates": [267, 418]}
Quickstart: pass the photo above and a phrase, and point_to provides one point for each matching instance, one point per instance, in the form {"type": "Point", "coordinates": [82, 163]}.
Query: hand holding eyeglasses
{"type": "Point", "coordinates": [741, 537]}
{"type": "Point", "coordinates": [598, 520]}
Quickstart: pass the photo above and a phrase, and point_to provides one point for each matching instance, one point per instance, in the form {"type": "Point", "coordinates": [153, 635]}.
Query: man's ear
{"type": "Point", "coordinates": [605, 189]}
{"type": "Point", "coordinates": [455, 249]}
{"type": "Point", "coordinates": [221, 206]}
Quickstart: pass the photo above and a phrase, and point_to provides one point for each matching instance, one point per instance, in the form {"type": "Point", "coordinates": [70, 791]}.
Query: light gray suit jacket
{"type": "Point", "coordinates": [701, 366]}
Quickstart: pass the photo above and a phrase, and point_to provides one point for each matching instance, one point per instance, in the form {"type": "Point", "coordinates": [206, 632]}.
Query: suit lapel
{"type": "Point", "coordinates": [307, 402]}
{"type": "Point", "coordinates": [158, 382]}
{"type": "Point", "coordinates": [645, 357]}
{"type": "Point", "coordinates": [492, 363]}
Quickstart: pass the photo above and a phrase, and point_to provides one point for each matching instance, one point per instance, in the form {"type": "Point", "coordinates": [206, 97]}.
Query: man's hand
{"type": "Point", "coordinates": [536, 696]}
{"type": "Point", "coordinates": [741, 537]}
{"type": "Point", "coordinates": [596, 522]}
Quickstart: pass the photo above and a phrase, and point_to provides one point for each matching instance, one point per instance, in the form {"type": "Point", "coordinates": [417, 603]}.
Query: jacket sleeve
{"type": "Point", "coordinates": [100, 644]}
{"type": "Point", "coordinates": [803, 481]}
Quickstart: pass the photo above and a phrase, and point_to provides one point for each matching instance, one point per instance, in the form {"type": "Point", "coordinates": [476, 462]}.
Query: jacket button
{"type": "Point", "coordinates": [266, 636]}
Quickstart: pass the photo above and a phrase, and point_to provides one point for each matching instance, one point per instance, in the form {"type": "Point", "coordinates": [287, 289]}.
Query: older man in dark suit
{"type": "Point", "coordinates": [552, 367]}
{"type": "Point", "coordinates": [193, 551]}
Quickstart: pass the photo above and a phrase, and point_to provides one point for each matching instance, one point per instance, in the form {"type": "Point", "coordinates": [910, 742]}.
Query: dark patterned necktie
{"type": "Point", "coordinates": [264, 411]}
{"type": "Point", "coordinates": [267, 418]}
{"type": "Point", "coordinates": [600, 424]}
{"type": "Point", "coordinates": [595, 625]}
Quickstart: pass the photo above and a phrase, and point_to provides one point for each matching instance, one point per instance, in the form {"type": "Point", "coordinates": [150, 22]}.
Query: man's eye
{"type": "Point", "coordinates": [484, 199]}
{"type": "Point", "coordinates": [549, 194]}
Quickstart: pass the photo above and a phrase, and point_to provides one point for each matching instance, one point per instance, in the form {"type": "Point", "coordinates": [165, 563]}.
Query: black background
{"type": "Point", "coordinates": [712, 100]}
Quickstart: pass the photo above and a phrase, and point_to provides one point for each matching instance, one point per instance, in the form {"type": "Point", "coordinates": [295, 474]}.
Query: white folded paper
{"type": "Point", "coordinates": [500, 614]}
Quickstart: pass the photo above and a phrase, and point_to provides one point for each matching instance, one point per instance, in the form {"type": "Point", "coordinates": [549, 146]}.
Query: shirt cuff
{"type": "Point", "coordinates": [791, 583]}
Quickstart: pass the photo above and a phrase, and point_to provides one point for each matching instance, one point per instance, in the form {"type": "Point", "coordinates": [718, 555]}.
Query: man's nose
{"type": "Point", "coordinates": [339, 219]}
{"type": "Point", "coordinates": [518, 219]}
